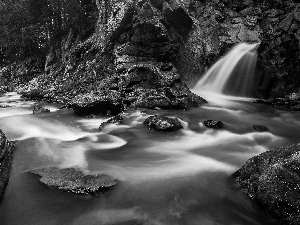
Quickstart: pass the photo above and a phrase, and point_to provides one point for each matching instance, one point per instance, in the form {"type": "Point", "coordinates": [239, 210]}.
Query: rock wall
{"type": "Point", "coordinates": [173, 40]}
{"type": "Point", "coordinates": [220, 24]}
{"type": "Point", "coordinates": [6, 154]}
{"type": "Point", "coordinates": [129, 61]}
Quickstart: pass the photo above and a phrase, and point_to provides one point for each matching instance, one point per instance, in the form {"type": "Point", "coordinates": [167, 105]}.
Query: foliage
{"type": "Point", "coordinates": [32, 28]}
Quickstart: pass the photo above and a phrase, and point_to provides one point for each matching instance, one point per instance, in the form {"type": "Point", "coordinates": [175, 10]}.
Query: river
{"type": "Point", "coordinates": [164, 178]}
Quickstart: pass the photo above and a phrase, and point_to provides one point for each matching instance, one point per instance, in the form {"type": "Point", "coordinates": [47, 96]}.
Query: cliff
{"type": "Point", "coordinates": [143, 52]}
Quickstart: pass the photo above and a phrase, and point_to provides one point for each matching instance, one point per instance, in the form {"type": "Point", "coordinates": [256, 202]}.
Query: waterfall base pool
{"type": "Point", "coordinates": [178, 178]}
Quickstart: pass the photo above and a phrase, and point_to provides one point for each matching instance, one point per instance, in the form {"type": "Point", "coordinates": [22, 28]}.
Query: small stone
{"type": "Point", "coordinates": [162, 123]}
{"type": "Point", "coordinates": [118, 119]}
{"type": "Point", "coordinates": [39, 109]}
{"type": "Point", "coordinates": [260, 128]}
{"type": "Point", "coordinates": [215, 124]}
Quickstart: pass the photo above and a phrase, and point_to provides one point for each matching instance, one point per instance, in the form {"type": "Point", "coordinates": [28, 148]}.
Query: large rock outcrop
{"type": "Point", "coordinates": [272, 180]}
{"type": "Point", "coordinates": [132, 56]}
{"type": "Point", "coordinates": [6, 155]}
{"type": "Point", "coordinates": [147, 50]}
{"type": "Point", "coordinates": [220, 24]}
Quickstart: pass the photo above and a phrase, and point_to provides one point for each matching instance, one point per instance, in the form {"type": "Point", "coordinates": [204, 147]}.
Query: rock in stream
{"type": "Point", "coordinates": [74, 181]}
{"type": "Point", "coordinates": [272, 180]}
{"type": "Point", "coordinates": [163, 123]}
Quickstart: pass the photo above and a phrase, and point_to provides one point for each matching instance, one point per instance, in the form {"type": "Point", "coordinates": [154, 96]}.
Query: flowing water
{"type": "Point", "coordinates": [178, 178]}
{"type": "Point", "coordinates": [164, 178]}
{"type": "Point", "coordinates": [234, 74]}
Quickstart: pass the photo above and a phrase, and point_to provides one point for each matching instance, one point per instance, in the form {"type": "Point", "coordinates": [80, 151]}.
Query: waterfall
{"type": "Point", "coordinates": [233, 74]}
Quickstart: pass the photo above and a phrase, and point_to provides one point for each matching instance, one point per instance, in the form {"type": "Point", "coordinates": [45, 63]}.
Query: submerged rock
{"type": "Point", "coordinates": [216, 124]}
{"type": "Point", "coordinates": [118, 119]}
{"type": "Point", "coordinates": [6, 155]}
{"type": "Point", "coordinates": [163, 123]}
{"type": "Point", "coordinates": [272, 180]}
{"type": "Point", "coordinates": [4, 106]}
{"type": "Point", "coordinates": [39, 109]}
{"type": "Point", "coordinates": [74, 181]}
{"type": "Point", "coordinates": [260, 128]}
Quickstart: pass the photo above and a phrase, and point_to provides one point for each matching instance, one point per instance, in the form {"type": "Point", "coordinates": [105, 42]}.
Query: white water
{"type": "Point", "coordinates": [233, 74]}
{"type": "Point", "coordinates": [164, 178]}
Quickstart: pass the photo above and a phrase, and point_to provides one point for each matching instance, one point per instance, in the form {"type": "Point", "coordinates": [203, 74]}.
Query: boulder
{"type": "Point", "coordinates": [260, 128]}
{"type": "Point", "coordinates": [6, 156]}
{"type": "Point", "coordinates": [215, 124]}
{"type": "Point", "coordinates": [74, 181]}
{"type": "Point", "coordinates": [163, 123]}
{"type": "Point", "coordinates": [39, 109]}
{"type": "Point", "coordinates": [272, 180]}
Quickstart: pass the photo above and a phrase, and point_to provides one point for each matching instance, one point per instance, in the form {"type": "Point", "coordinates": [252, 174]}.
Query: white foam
{"type": "Point", "coordinates": [92, 123]}
{"type": "Point", "coordinates": [63, 144]}
{"type": "Point", "coordinates": [194, 153]}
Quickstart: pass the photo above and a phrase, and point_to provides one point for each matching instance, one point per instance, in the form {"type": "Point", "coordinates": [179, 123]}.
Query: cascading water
{"type": "Point", "coordinates": [233, 74]}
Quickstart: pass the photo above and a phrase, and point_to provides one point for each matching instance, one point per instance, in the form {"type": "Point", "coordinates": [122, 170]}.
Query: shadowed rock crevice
{"type": "Point", "coordinates": [6, 156]}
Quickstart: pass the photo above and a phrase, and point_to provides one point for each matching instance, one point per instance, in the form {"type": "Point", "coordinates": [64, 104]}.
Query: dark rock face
{"type": "Point", "coordinates": [39, 109]}
{"type": "Point", "coordinates": [6, 155]}
{"type": "Point", "coordinates": [162, 123]}
{"type": "Point", "coordinates": [148, 50]}
{"type": "Point", "coordinates": [271, 179]}
{"type": "Point", "coordinates": [118, 119]}
{"type": "Point", "coordinates": [260, 128]}
{"type": "Point", "coordinates": [109, 103]}
{"type": "Point", "coordinates": [132, 56]}
{"type": "Point", "coordinates": [215, 124]}
{"type": "Point", "coordinates": [74, 181]}
{"type": "Point", "coordinates": [279, 52]}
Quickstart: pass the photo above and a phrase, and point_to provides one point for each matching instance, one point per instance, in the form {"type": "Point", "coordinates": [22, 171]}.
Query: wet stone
{"type": "Point", "coordinates": [260, 128]}
{"type": "Point", "coordinates": [74, 181]}
{"type": "Point", "coordinates": [39, 109]}
{"type": "Point", "coordinates": [118, 119]}
{"type": "Point", "coordinates": [162, 123]}
{"type": "Point", "coordinates": [215, 124]}
{"type": "Point", "coordinates": [271, 180]}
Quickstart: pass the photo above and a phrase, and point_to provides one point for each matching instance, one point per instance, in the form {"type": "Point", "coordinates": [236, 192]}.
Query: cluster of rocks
{"type": "Point", "coordinates": [6, 154]}
{"type": "Point", "coordinates": [4, 106]}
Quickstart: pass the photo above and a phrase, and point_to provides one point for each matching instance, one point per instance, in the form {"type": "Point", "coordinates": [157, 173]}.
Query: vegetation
{"type": "Point", "coordinates": [32, 28]}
